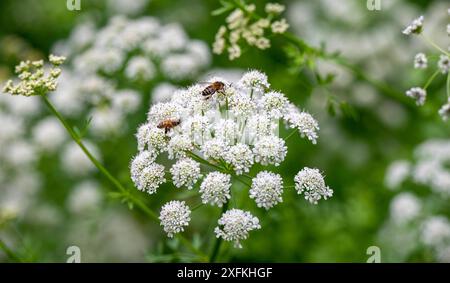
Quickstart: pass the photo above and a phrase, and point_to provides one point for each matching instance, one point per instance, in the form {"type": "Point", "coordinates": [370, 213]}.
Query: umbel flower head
{"type": "Point", "coordinates": [428, 169]}
{"type": "Point", "coordinates": [215, 188]}
{"type": "Point", "coordinates": [421, 62]}
{"type": "Point", "coordinates": [415, 27]}
{"type": "Point", "coordinates": [185, 173]}
{"type": "Point", "coordinates": [266, 190]}
{"type": "Point", "coordinates": [174, 216]}
{"type": "Point", "coordinates": [236, 225]}
{"type": "Point", "coordinates": [310, 182]}
{"type": "Point", "coordinates": [444, 64]}
{"type": "Point", "coordinates": [215, 136]}
{"type": "Point", "coordinates": [418, 94]}
{"type": "Point", "coordinates": [241, 27]}
{"type": "Point", "coordinates": [34, 78]}
{"type": "Point", "coordinates": [445, 111]}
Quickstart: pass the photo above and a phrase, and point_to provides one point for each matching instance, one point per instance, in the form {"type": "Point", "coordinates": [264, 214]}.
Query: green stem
{"type": "Point", "coordinates": [216, 248]}
{"type": "Point", "coordinates": [221, 169]}
{"type": "Point", "coordinates": [291, 134]}
{"type": "Point", "coordinates": [382, 87]}
{"type": "Point", "coordinates": [197, 206]}
{"type": "Point", "coordinates": [97, 164]}
{"type": "Point", "coordinates": [431, 79]}
{"type": "Point", "coordinates": [429, 41]}
{"type": "Point", "coordinates": [302, 45]}
{"type": "Point", "coordinates": [247, 176]}
{"type": "Point", "coordinates": [240, 180]}
{"type": "Point", "coordinates": [204, 161]}
{"type": "Point", "coordinates": [448, 85]}
{"type": "Point", "coordinates": [139, 203]}
{"type": "Point", "coordinates": [188, 244]}
{"type": "Point", "coordinates": [77, 139]}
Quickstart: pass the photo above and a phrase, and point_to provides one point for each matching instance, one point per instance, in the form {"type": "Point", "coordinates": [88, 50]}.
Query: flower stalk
{"type": "Point", "coordinates": [125, 193]}
{"type": "Point", "coordinates": [218, 240]}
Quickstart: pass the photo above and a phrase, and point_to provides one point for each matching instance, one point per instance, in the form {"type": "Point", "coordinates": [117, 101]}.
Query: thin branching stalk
{"type": "Point", "coordinates": [218, 241]}
{"type": "Point", "coordinates": [127, 195]}
{"type": "Point", "coordinates": [431, 79]}
{"type": "Point", "coordinates": [430, 42]}
{"type": "Point", "coordinates": [290, 134]}
{"type": "Point", "coordinates": [448, 85]}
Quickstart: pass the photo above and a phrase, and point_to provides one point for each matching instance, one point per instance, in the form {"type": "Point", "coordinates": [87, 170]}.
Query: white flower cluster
{"type": "Point", "coordinates": [445, 110]}
{"type": "Point", "coordinates": [215, 188]}
{"type": "Point", "coordinates": [418, 94]}
{"type": "Point", "coordinates": [236, 226]}
{"type": "Point", "coordinates": [266, 189]}
{"type": "Point", "coordinates": [48, 134]}
{"type": "Point", "coordinates": [270, 150]}
{"type": "Point", "coordinates": [150, 43]}
{"type": "Point", "coordinates": [34, 78]}
{"type": "Point", "coordinates": [75, 162]}
{"type": "Point", "coordinates": [185, 172]}
{"type": "Point", "coordinates": [139, 50]}
{"type": "Point", "coordinates": [415, 27]}
{"type": "Point", "coordinates": [85, 197]}
{"type": "Point", "coordinates": [27, 137]}
{"type": "Point", "coordinates": [19, 115]}
{"type": "Point", "coordinates": [174, 216]}
{"type": "Point", "coordinates": [405, 207]}
{"type": "Point", "coordinates": [229, 131]}
{"type": "Point", "coordinates": [311, 183]}
{"type": "Point", "coordinates": [241, 26]}
{"type": "Point", "coordinates": [19, 178]}
{"type": "Point", "coordinates": [421, 62]}
{"type": "Point", "coordinates": [147, 175]}
{"type": "Point", "coordinates": [429, 169]}
{"type": "Point", "coordinates": [436, 231]}
{"type": "Point", "coordinates": [412, 219]}
{"type": "Point", "coordinates": [397, 172]}
{"type": "Point", "coordinates": [444, 64]}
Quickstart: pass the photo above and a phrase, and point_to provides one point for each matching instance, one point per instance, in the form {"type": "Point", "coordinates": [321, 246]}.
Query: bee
{"type": "Point", "coordinates": [213, 88]}
{"type": "Point", "coordinates": [168, 124]}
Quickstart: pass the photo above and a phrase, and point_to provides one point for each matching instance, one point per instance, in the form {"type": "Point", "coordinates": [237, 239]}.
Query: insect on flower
{"type": "Point", "coordinates": [212, 88]}
{"type": "Point", "coordinates": [232, 132]}
{"type": "Point", "coordinates": [168, 124]}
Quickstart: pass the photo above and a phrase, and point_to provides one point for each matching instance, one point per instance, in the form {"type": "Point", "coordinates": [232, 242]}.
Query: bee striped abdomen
{"type": "Point", "coordinates": [213, 88]}
{"type": "Point", "coordinates": [208, 91]}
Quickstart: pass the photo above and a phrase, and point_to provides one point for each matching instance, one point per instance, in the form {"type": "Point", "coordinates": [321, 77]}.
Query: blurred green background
{"type": "Point", "coordinates": [366, 124]}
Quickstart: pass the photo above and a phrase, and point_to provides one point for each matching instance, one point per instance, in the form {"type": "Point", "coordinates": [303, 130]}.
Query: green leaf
{"type": "Point", "coordinates": [85, 128]}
